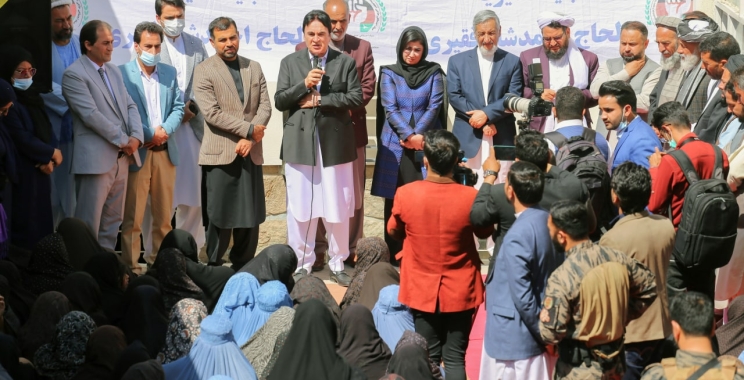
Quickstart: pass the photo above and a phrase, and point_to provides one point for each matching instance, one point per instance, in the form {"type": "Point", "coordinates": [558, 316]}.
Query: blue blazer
{"type": "Point", "coordinates": [515, 291]}
{"type": "Point", "coordinates": [171, 105]}
{"type": "Point", "coordinates": [464, 87]}
{"type": "Point", "coordinates": [636, 144]}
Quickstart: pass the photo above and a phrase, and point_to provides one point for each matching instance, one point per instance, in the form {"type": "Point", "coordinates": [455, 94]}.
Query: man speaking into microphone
{"type": "Point", "coordinates": [318, 86]}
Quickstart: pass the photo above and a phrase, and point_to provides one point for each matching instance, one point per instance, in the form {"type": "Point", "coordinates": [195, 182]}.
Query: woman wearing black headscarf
{"type": "Point", "coordinates": [378, 276]}
{"type": "Point", "coordinates": [370, 251]}
{"type": "Point", "coordinates": [35, 143]}
{"type": "Point", "coordinates": [146, 319]}
{"type": "Point", "coordinates": [410, 102]}
{"type": "Point", "coordinates": [48, 265]}
{"type": "Point", "coordinates": [133, 354]}
{"type": "Point", "coordinates": [311, 287]}
{"type": "Point", "coordinates": [102, 353]}
{"type": "Point", "coordinates": [361, 344]}
{"type": "Point", "coordinates": [21, 300]}
{"type": "Point", "coordinates": [276, 262]}
{"type": "Point", "coordinates": [310, 350]}
{"type": "Point", "coordinates": [7, 161]}
{"type": "Point", "coordinates": [411, 362]}
{"type": "Point", "coordinates": [9, 360]}
{"type": "Point", "coordinates": [210, 279]}
{"type": "Point", "coordinates": [48, 310]}
{"type": "Point", "coordinates": [110, 274]}
{"type": "Point", "coordinates": [79, 240]}
{"type": "Point", "coordinates": [175, 283]}
{"type": "Point", "coordinates": [9, 322]}
{"type": "Point", "coordinates": [84, 294]}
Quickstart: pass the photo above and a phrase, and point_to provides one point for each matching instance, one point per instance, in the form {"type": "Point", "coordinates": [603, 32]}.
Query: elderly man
{"type": "Point", "coordinates": [670, 75]}
{"type": "Point", "coordinates": [318, 86]}
{"type": "Point", "coordinates": [361, 51]}
{"type": "Point", "coordinates": [633, 67]}
{"type": "Point", "coordinates": [714, 54]}
{"type": "Point", "coordinates": [563, 64]}
{"type": "Point", "coordinates": [693, 92]}
{"type": "Point", "coordinates": [65, 51]}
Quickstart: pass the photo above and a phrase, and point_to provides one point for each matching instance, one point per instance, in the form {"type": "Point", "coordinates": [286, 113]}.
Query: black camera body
{"type": "Point", "coordinates": [464, 176]}
{"type": "Point", "coordinates": [530, 107]}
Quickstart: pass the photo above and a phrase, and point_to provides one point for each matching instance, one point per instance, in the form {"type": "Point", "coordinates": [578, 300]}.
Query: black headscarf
{"type": "Point", "coordinates": [109, 272]}
{"type": "Point", "coordinates": [149, 370]}
{"type": "Point", "coordinates": [84, 295]}
{"type": "Point", "coordinates": [183, 241]}
{"type": "Point", "coordinates": [415, 75]}
{"type": "Point", "coordinates": [311, 287]}
{"type": "Point", "coordinates": [370, 251]}
{"type": "Point", "coordinates": [11, 323]}
{"type": "Point", "coordinates": [175, 283]}
{"type": "Point", "coordinates": [411, 362]}
{"type": "Point", "coordinates": [378, 276]}
{"type": "Point", "coordinates": [7, 94]}
{"type": "Point", "coordinates": [21, 300]}
{"type": "Point", "coordinates": [48, 265]}
{"type": "Point", "coordinates": [102, 353]}
{"type": "Point", "coordinates": [48, 310]}
{"type": "Point", "coordinates": [361, 344]}
{"type": "Point", "coordinates": [9, 355]}
{"type": "Point", "coordinates": [146, 319]}
{"type": "Point", "coordinates": [10, 57]}
{"type": "Point", "coordinates": [276, 262]}
{"type": "Point", "coordinates": [133, 354]}
{"type": "Point", "coordinates": [7, 147]}
{"type": "Point", "coordinates": [79, 240]}
{"type": "Point", "coordinates": [310, 350]}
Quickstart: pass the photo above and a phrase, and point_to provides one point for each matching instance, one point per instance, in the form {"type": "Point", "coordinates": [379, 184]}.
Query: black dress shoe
{"type": "Point", "coordinates": [319, 263]}
{"type": "Point", "coordinates": [341, 278]}
{"type": "Point", "coordinates": [299, 274]}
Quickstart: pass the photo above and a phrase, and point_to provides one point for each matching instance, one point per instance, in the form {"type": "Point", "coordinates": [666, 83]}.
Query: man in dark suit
{"type": "Point", "coordinates": [477, 81]}
{"type": "Point", "coordinates": [714, 54]}
{"type": "Point", "coordinates": [361, 51]}
{"type": "Point", "coordinates": [563, 64]}
{"type": "Point", "coordinates": [693, 92]}
{"type": "Point", "coordinates": [318, 86]}
{"type": "Point", "coordinates": [107, 131]}
{"type": "Point", "coordinates": [514, 293]}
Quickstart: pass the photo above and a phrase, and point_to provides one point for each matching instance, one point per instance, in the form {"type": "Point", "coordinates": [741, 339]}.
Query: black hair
{"type": "Point", "coordinates": [632, 185]}
{"type": "Point", "coordinates": [623, 93]}
{"type": "Point", "coordinates": [530, 146]}
{"type": "Point", "coordinates": [729, 87]}
{"type": "Point", "coordinates": [662, 113]}
{"type": "Point", "coordinates": [89, 33]}
{"type": "Point", "coordinates": [528, 182]}
{"type": "Point", "coordinates": [221, 23]}
{"type": "Point", "coordinates": [571, 217]}
{"type": "Point", "coordinates": [173, 3]}
{"type": "Point", "coordinates": [441, 148]}
{"type": "Point", "coordinates": [635, 25]}
{"type": "Point", "coordinates": [677, 117]}
{"type": "Point", "coordinates": [569, 103]}
{"type": "Point", "coordinates": [738, 77]}
{"type": "Point", "coordinates": [720, 46]}
{"type": "Point", "coordinates": [319, 15]}
{"type": "Point", "coordinates": [693, 311]}
{"type": "Point", "coordinates": [147, 26]}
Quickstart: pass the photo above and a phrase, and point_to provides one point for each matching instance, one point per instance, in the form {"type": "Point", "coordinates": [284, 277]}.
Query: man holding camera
{"type": "Point", "coordinates": [563, 64]}
{"type": "Point", "coordinates": [477, 81]}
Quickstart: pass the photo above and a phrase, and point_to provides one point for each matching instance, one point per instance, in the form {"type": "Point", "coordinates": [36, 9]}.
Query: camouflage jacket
{"type": "Point", "coordinates": [690, 360]}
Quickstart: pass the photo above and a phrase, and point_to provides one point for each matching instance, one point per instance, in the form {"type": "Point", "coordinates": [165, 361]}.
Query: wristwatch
{"type": "Point", "coordinates": [487, 173]}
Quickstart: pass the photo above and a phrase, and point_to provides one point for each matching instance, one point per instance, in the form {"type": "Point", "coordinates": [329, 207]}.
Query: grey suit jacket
{"type": "Point", "coordinates": [340, 93]}
{"type": "Point", "coordinates": [195, 54]}
{"type": "Point", "coordinates": [100, 125]}
{"type": "Point", "coordinates": [226, 119]}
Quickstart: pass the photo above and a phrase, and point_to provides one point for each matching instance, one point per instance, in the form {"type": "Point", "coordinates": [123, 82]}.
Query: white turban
{"type": "Point", "coordinates": [546, 18]}
{"type": "Point", "coordinates": [57, 3]}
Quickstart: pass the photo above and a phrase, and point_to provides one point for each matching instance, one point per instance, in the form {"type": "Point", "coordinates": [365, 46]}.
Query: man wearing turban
{"type": "Point", "coordinates": [693, 93]}
{"type": "Point", "coordinates": [563, 64]}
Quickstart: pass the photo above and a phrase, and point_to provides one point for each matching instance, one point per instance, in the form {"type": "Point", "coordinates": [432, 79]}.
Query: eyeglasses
{"type": "Point", "coordinates": [31, 71]}
{"type": "Point", "coordinates": [556, 39]}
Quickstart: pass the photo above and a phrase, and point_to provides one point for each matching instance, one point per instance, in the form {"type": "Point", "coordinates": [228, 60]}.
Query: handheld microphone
{"type": "Point", "coordinates": [316, 62]}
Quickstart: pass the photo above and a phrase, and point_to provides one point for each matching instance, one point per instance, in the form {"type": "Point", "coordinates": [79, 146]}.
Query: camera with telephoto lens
{"type": "Point", "coordinates": [462, 175]}
{"type": "Point", "coordinates": [530, 108]}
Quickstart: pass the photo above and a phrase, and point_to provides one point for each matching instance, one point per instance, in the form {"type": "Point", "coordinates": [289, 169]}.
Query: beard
{"type": "Point", "coordinates": [337, 37]}
{"type": "Point", "coordinates": [63, 35]}
{"type": "Point", "coordinates": [671, 62]}
{"type": "Point", "coordinates": [556, 55]}
{"type": "Point", "coordinates": [636, 57]}
{"type": "Point", "coordinates": [558, 247]}
{"type": "Point", "coordinates": [490, 51]}
{"type": "Point", "coordinates": [689, 61]}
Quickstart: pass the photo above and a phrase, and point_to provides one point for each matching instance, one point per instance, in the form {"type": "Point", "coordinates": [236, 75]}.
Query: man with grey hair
{"type": "Point", "coordinates": [693, 92]}
{"type": "Point", "coordinates": [670, 75]}
{"type": "Point", "coordinates": [478, 97]}
{"type": "Point", "coordinates": [633, 66]}
{"type": "Point", "coordinates": [65, 50]}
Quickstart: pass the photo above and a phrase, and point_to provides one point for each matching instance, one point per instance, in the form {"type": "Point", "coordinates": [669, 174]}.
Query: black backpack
{"type": "Point", "coordinates": [580, 156]}
{"type": "Point", "coordinates": [707, 232]}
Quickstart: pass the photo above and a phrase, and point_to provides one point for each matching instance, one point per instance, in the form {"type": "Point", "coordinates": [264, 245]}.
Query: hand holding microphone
{"type": "Point", "coordinates": [315, 76]}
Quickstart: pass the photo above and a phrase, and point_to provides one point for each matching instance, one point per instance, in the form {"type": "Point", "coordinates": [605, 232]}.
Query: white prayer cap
{"type": "Point", "coordinates": [58, 3]}
{"type": "Point", "coordinates": [546, 18]}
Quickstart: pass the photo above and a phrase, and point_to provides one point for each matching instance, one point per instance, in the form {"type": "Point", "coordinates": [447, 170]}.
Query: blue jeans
{"type": "Point", "coordinates": [639, 355]}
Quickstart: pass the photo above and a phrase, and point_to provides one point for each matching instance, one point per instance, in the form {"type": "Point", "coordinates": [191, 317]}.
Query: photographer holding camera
{"type": "Point", "coordinates": [440, 276]}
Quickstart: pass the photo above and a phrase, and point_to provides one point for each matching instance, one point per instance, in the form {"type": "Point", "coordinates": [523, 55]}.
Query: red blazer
{"type": "Point", "coordinates": [361, 51]}
{"type": "Point", "coordinates": [439, 260]}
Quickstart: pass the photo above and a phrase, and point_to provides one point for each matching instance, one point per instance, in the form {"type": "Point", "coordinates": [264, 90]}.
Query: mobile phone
{"type": "Point", "coordinates": [193, 107]}
{"type": "Point", "coordinates": [505, 152]}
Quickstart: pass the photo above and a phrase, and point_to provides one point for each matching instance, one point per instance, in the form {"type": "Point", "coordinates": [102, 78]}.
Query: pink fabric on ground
{"type": "Point", "coordinates": [475, 346]}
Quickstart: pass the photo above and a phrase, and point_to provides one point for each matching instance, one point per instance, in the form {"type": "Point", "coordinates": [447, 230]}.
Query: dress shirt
{"type": "Point", "coordinates": [151, 87]}
{"type": "Point", "coordinates": [322, 64]}
{"type": "Point", "coordinates": [668, 183]}
{"type": "Point", "coordinates": [105, 74]}
{"type": "Point", "coordinates": [485, 63]}
{"type": "Point", "coordinates": [177, 53]}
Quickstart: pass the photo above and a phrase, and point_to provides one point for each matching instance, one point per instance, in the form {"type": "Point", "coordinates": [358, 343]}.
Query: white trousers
{"type": "Point", "coordinates": [535, 368]}
{"type": "Point", "coordinates": [301, 237]}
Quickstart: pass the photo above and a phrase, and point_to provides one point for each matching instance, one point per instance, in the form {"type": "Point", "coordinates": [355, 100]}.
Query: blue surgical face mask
{"type": "Point", "coordinates": [149, 59]}
{"type": "Point", "coordinates": [22, 83]}
{"type": "Point", "coordinates": [623, 124]}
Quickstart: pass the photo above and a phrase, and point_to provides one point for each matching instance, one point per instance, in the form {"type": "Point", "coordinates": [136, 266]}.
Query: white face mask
{"type": "Point", "coordinates": [174, 27]}
{"type": "Point", "coordinates": [22, 83]}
